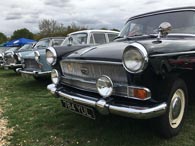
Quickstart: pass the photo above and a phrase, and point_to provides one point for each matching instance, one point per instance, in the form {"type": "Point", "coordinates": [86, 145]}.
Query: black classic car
{"type": "Point", "coordinates": [144, 74]}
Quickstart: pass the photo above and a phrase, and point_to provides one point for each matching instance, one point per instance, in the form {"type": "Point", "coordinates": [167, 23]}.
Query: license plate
{"type": "Point", "coordinates": [79, 109]}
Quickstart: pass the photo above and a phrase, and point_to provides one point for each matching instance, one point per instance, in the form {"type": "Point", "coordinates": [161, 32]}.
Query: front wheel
{"type": "Point", "coordinates": [171, 122]}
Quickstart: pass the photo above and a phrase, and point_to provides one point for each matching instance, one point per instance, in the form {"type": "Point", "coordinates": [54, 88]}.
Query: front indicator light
{"type": "Point", "coordinates": [139, 93]}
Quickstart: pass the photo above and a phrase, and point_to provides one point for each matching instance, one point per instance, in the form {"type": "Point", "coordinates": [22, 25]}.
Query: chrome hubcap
{"type": "Point", "coordinates": [177, 107]}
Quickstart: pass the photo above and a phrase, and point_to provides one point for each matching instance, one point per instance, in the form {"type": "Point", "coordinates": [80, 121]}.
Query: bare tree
{"type": "Point", "coordinates": [50, 27]}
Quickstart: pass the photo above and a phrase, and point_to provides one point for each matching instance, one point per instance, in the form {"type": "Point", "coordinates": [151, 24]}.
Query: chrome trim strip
{"type": "Point", "coordinates": [105, 108]}
{"type": "Point", "coordinates": [91, 61]}
{"type": "Point", "coordinates": [78, 80]}
{"type": "Point", "coordinates": [171, 54]}
{"type": "Point", "coordinates": [34, 72]}
{"type": "Point", "coordinates": [181, 34]}
{"type": "Point", "coordinates": [87, 50]}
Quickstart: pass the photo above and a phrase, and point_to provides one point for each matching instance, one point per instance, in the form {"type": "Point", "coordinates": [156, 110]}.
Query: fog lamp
{"type": "Point", "coordinates": [104, 86]}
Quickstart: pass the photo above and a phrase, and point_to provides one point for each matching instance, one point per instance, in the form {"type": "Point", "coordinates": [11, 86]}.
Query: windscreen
{"type": "Point", "coordinates": [182, 22]}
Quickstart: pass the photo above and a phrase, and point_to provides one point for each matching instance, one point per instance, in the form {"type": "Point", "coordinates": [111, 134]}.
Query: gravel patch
{"type": "Point", "coordinates": [5, 132]}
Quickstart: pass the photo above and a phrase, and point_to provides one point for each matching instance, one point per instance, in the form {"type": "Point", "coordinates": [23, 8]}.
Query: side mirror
{"type": "Point", "coordinates": [70, 39]}
{"type": "Point", "coordinates": [163, 30]}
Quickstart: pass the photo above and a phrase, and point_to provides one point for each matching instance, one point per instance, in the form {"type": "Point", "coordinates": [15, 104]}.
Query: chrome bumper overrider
{"type": "Point", "coordinates": [105, 108]}
{"type": "Point", "coordinates": [35, 73]}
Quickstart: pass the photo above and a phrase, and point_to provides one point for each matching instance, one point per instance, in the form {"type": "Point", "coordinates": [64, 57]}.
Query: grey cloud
{"type": "Point", "coordinates": [13, 17]}
{"type": "Point", "coordinates": [87, 21]}
{"type": "Point", "coordinates": [58, 3]}
{"type": "Point", "coordinates": [35, 21]}
{"type": "Point", "coordinates": [14, 6]}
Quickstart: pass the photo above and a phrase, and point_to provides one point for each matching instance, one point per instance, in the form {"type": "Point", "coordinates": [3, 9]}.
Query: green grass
{"type": "Point", "coordinates": [39, 120]}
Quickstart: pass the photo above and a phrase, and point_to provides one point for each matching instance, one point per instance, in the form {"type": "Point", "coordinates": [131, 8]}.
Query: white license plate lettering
{"type": "Point", "coordinates": [69, 106]}
{"type": "Point", "coordinates": [80, 109]}
{"type": "Point", "coordinates": [83, 110]}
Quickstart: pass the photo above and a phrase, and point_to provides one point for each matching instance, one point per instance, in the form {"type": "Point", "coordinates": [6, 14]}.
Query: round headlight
{"type": "Point", "coordinates": [55, 76]}
{"type": "Point", "coordinates": [135, 58]}
{"type": "Point", "coordinates": [37, 56]}
{"type": "Point", "coordinates": [19, 56]}
{"type": "Point", "coordinates": [104, 86]}
{"type": "Point", "coordinates": [51, 56]}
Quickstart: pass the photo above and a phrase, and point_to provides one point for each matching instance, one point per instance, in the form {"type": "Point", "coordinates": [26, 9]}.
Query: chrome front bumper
{"type": "Point", "coordinates": [11, 65]}
{"type": "Point", "coordinates": [105, 108]}
{"type": "Point", "coordinates": [34, 73]}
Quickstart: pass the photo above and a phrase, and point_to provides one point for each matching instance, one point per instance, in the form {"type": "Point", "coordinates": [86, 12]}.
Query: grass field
{"type": "Point", "coordinates": [39, 120]}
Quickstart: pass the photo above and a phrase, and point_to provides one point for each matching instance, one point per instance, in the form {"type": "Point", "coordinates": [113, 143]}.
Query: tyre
{"type": "Point", "coordinates": [171, 122]}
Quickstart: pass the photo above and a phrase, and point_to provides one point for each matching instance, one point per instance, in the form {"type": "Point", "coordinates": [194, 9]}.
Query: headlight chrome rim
{"type": "Point", "coordinates": [55, 76]}
{"type": "Point", "coordinates": [141, 49]}
{"type": "Point", "coordinates": [109, 87]}
{"type": "Point", "coordinates": [53, 56]}
{"type": "Point", "coordinates": [19, 56]}
{"type": "Point", "coordinates": [37, 56]}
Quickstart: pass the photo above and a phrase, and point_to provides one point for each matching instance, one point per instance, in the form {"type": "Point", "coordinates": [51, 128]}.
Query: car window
{"type": "Point", "coordinates": [12, 49]}
{"type": "Point", "coordinates": [112, 36]}
{"type": "Point", "coordinates": [75, 39]}
{"type": "Point", "coordinates": [57, 42]}
{"type": "Point", "coordinates": [42, 44]}
{"type": "Point", "coordinates": [99, 38]}
{"type": "Point", "coordinates": [26, 47]}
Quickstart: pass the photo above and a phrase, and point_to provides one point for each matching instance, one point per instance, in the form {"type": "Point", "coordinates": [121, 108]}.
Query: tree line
{"type": "Point", "coordinates": [47, 28]}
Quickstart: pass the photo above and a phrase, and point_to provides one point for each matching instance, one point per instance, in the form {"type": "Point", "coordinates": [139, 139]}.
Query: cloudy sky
{"type": "Point", "coordinates": [17, 14]}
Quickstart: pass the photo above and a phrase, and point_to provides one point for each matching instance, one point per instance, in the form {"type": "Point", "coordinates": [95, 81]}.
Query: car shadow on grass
{"type": "Point", "coordinates": [106, 130]}
{"type": "Point", "coordinates": [30, 82]}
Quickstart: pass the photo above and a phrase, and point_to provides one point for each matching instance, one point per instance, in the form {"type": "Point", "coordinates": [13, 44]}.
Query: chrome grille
{"type": "Point", "coordinates": [83, 75]}
{"type": "Point", "coordinates": [31, 63]}
{"type": "Point", "coordinates": [1, 59]}
{"type": "Point", "coordinates": [9, 60]}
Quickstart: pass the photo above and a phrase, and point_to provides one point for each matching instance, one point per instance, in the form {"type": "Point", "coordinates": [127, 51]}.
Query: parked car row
{"type": "Point", "coordinates": [144, 73]}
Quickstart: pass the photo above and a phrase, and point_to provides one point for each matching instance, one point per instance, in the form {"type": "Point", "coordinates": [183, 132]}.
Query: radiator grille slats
{"type": "Point", "coordinates": [9, 60]}
{"type": "Point", "coordinates": [83, 75]}
{"type": "Point", "coordinates": [31, 64]}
